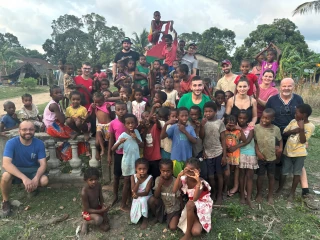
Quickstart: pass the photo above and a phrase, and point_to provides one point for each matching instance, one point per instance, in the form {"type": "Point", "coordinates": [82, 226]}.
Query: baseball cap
{"type": "Point", "coordinates": [126, 39]}
{"type": "Point", "coordinates": [226, 61]}
{"type": "Point", "coordinates": [192, 45]}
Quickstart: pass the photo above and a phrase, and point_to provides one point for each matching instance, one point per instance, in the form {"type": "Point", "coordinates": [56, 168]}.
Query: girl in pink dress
{"type": "Point", "coordinates": [196, 215]}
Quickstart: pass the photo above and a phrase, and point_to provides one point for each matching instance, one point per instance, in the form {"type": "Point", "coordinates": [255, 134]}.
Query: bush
{"type": "Point", "coordinates": [29, 83]}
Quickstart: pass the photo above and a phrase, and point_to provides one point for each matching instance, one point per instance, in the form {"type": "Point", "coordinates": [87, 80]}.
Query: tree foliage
{"type": "Point", "coordinates": [307, 7]}
{"type": "Point", "coordinates": [140, 41]}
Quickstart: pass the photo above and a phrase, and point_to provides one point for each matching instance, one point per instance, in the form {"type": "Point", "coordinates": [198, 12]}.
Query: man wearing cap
{"type": "Point", "coordinates": [125, 54]}
{"type": "Point", "coordinates": [190, 59]}
{"type": "Point", "coordinates": [226, 83]}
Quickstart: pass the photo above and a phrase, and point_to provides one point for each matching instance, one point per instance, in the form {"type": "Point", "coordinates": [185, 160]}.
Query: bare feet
{"type": "Point", "coordinates": [86, 136]}
{"type": "Point", "coordinates": [249, 203]}
{"type": "Point", "coordinates": [98, 156]}
{"type": "Point", "coordinates": [144, 223]}
{"type": "Point", "coordinates": [243, 200]}
{"type": "Point", "coordinates": [114, 201]}
{"type": "Point", "coordinates": [102, 152]}
{"type": "Point", "coordinates": [125, 209]}
{"type": "Point", "coordinates": [84, 228]}
{"type": "Point", "coordinates": [290, 197]}
{"type": "Point", "coordinates": [259, 198]}
{"type": "Point", "coordinates": [219, 200]}
{"type": "Point", "coordinates": [270, 200]}
{"type": "Point", "coordinates": [154, 221]}
{"type": "Point", "coordinates": [105, 227]}
{"type": "Point", "coordinates": [186, 237]}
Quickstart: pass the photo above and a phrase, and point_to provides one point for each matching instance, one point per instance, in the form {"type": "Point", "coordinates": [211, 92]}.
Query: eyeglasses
{"type": "Point", "coordinates": [27, 129]}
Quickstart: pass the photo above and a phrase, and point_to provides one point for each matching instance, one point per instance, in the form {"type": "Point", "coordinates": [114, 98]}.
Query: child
{"type": "Point", "coordinates": [121, 75]}
{"type": "Point", "coordinates": [212, 132]}
{"type": "Point", "coordinates": [272, 62]}
{"type": "Point", "coordinates": [138, 105]}
{"type": "Point", "coordinates": [105, 84]}
{"type": "Point", "coordinates": [99, 109]}
{"type": "Point", "coordinates": [53, 116]}
{"type": "Point", "coordinates": [248, 160]}
{"type": "Point", "coordinates": [141, 185]}
{"type": "Point", "coordinates": [94, 212]}
{"type": "Point", "coordinates": [76, 115]}
{"type": "Point", "coordinates": [79, 72]}
{"type": "Point", "coordinates": [164, 69]}
{"type": "Point", "coordinates": [195, 117]}
{"type": "Point", "coordinates": [131, 69]}
{"type": "Point", "coordinates": [252, 79]}
{"type": "Point", "coordinates": [30, 112]}
{"type": "Point", "coordinates": [172, 95]}
{"type": "Point", "coordinates": [219, 97]}
{"type": "Point", "coordinates": [233, 136]}
{"type": "Point", "coordinates": [165, 204]}
{"type": "Point", "coordinates": [143, 69]}
{"type": "Point", "coordinates": [183, 136]}
{"type": "Point", "coordinates": [156, 27]}
{"type": "Point", "coordinates": [169, 51]}
{"type": "Point", "coordinates": [299, 132]}
{"type": "Point", "coordinates": [129, 141]}
{"type": "Point", "coordinates": [125, 93]}
{"type": "Point", "coordinates": [209, 89]}
{"type": "Point", "coordinates": [196, 215]}
{"type": "Point", "coordinates": [265, 136]}
{"type": "Point", "coordinates": [256, 70]}
{"type": "Point", "coordinates": [10, 120]}
{"type": "Point", "coordinates": [68, 83]}
{"type": "Point", "coordinates": [166, 144]}
{"type": "Point", "coordinates": [116, 128]}
{"type": "Point", "coordinates": [176, 77]}
{"type": "Point", "coordinates": [229, 95]}
{"type": "Point", "coordinates": [175, 65]}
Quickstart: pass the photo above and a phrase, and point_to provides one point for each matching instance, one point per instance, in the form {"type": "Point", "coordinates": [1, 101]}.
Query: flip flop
{"type": "Point", "coordinates": [230, 194]}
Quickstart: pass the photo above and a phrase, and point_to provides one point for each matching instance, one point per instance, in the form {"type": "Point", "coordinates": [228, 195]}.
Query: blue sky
{"type": "Point", "coordinates": [31, 20]}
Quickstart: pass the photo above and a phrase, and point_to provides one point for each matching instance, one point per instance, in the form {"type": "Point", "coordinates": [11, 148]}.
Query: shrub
{"type": "Point", "coordinates": [29, 83]}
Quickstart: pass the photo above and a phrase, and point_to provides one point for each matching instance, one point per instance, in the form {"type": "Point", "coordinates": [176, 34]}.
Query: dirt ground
{"type": "Point", "coordinates": [38, 98]}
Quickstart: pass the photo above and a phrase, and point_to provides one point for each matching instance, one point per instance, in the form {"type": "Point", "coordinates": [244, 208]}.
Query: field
{"type": "Point", "coordinates": [7, 92]}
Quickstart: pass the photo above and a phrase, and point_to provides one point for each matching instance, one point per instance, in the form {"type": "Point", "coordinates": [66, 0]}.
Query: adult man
{"type": "Point", "coordinates": [190, 60]}
{"type": "Point", "coordinates": [226, 83]}
{"type": "Point", "coordinates": [24, 159]}
{"type": "Point", "coordinates": [125, 54]}
{"type": "Point", "coordinates": [84, 83]}
{"type": "Point", "coordinates": [196, 97]}
{"type": "Point", "coordinates": [284, 105]}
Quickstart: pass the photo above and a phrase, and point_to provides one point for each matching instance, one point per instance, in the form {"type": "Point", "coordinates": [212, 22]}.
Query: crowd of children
{"type": "Point", "coordinates": [166, 153]}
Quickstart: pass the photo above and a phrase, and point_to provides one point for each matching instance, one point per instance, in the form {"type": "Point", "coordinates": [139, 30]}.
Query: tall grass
{"type": "Point", "coordinates": [310, 94]}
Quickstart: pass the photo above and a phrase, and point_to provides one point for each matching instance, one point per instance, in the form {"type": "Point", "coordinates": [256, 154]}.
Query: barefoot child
{"type": "Point", "coordinates": [212, 132]}
{"type": "Point", "coordinates": [299, 132]}
{"type": "Point", "coordinates": [53, 116]}
{"type": "Point", "coordinates": [265, 136]}
{"type": "Point", "coordinates": [183, 136]}
{"type": "Point", "coordinates": [116, 128]}
{"type": "Point", "coordinates": [164, 204]}
{"type": "Point", "coordinates": [10, 120]}
{"type": "Point", "coordinates": [248, 160]}
{"type": "Point", "coordinates": [129, 141]}
{"type": "Point", "coordinates": [94, 212]}
{"type": "Point", "coordinates": [76, 115]}
{"type": "Point", "coordinates": [141, 184]}
{"type": "Point", "coordinates": [196, 215]}
{"type": "Point", "coordinates": [99, 109]}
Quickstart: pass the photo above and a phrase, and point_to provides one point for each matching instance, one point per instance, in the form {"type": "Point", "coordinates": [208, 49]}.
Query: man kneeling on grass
{"type": "Point", "coordinates": [24, 160]}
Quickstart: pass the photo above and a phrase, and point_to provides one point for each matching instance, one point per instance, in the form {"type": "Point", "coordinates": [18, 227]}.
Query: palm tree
{"type": "Point", "coordinates": [140, 41]}
{"type": "Point", "coordinates": [307, 7]}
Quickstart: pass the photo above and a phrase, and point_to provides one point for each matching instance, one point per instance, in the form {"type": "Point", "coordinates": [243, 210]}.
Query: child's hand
{"type": "Point", "coordinates": [183, 172]}
{"type": "Point", "coordinates": [223, 161]}
{"type": "Point", "coordinates": [238, 127]}
{"type": "Point", "coordinates": [232, 149]}
{"type": "Point", "coordinates": [182, 128]}
{"type": "Point", "coordinates": [204, 121]}
{"type": "Point", "coordinates": [105, 209]}
{"type": "Point", "coordinates": [161, 181]}
{"type": "Point", "coordinates": [278, 151]}
{"type": "Point", "coordinates": [93, 105]}
{"type": "Point", "coordinates": [260, 156]}
{"type": "Point", "coordinates": [123, 78]}
{"type": "Point", "coordinates": [251, 124]}
{"type": "Point", "coordinates": [171, 121]}
{"type": "Point", "coordinates": [134, 195]}
{"type": "Point", "coordinates": [301, 124]}
{"type": "Point", "coordinates": [197, 123]}
{"type": "Point", "coordinates": [122, 140]}
{"type": "Point", "coordinates": [14, 116]}
{"type": "Point", "coordinates": [133, 135]}
{"type": "Point", "coordinates": [157, 105]}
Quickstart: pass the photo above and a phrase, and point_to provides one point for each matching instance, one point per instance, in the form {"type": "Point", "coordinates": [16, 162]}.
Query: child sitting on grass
{"type": "Point", "coordinates": [76, 115]}
{"type": "Point", "coordinates": [94, 212]}
{"type": "Point", "coordinates": [141, 184]}
{"type": "Point", "coordinates": [30, 112]}
{"type": "Point", "coordinates": [196, 215]}
{"type": "Point", "coordinates": [164, 204]}
{"type": "Point", "coordinates": [299, 132]}
{"type": "Point", "coordinates": [10, 120]}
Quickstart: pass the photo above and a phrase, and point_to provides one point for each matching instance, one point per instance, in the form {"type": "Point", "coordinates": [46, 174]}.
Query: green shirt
{"type": "Point", "coordinates": [186, 101]}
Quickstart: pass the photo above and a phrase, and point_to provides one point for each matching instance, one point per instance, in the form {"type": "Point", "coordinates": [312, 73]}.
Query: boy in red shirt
{"type": "Point", "coordinates": [169, 52]}
{"type": "Point", "coordinates": [252, 78]}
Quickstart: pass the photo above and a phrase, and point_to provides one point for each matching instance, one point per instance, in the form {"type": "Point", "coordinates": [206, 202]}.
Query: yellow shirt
{"type": "Point", "coordinates": [293, 146]}
{"type": "Point", "coordinates": [80, 112]}
{"type": "Point", "coordinates": [227, 85]}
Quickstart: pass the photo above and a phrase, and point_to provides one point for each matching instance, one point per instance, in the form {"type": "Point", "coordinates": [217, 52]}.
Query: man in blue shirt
{"type": "Point", "coordinates": [24, 160]}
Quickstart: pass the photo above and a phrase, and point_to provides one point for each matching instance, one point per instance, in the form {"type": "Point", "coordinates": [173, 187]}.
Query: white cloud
{"type": "Point", "coordinates": [31, 20]}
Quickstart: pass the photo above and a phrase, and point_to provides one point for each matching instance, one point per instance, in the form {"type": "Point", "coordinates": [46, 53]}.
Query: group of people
{"type": "Point", "coordinates": [175, 142]}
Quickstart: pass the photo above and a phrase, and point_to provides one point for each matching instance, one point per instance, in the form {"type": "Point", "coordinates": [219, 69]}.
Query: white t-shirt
{"type": "Point", "coordinates": [172, 96]}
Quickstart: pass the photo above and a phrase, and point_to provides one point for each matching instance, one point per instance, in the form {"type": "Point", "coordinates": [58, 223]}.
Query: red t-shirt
{"type": "Point", "coordinates": [170, 56]}
{"type": "Point", "coordinates": [252, 79]}
{"type": "Point", "coordinates": [100, 75]}
{"type": "Point", "coordinates": [152, 145]}
{"type": "Point", "coordinates": [88, 84]}
{"type": "Point", "coordinates": [185, 86]}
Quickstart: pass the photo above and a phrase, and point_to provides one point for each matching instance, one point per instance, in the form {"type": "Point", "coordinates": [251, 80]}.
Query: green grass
{"type": "Point", "coordinates": [7, 92]}
{"type": "Point", "coordinates": [41, 107]}
{"type": "Point", "coordinates": [234, 222]}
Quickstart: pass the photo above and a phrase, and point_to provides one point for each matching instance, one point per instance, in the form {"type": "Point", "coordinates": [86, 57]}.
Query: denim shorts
{"type": "Point", "coordinates": [293, 165]}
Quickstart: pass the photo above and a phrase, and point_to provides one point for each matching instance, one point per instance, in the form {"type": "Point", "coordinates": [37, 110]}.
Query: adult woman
{"type": "Point", "coordinates": [190, 59]}
{"type": "Point", "coordinates": [242, 101]}
{"type": "Point", "coordinates": [266, 91]}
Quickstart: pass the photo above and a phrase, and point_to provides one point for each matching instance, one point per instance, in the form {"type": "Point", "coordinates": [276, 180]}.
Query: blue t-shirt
{"type": "Point", "coordinates": [9, 122]}
{"type": "Point", "coordinates": [181, 146]}
{"type": "Point", "coordinates": [284, 112]}
{"type": "Point", "coordinates": [25, 156]}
